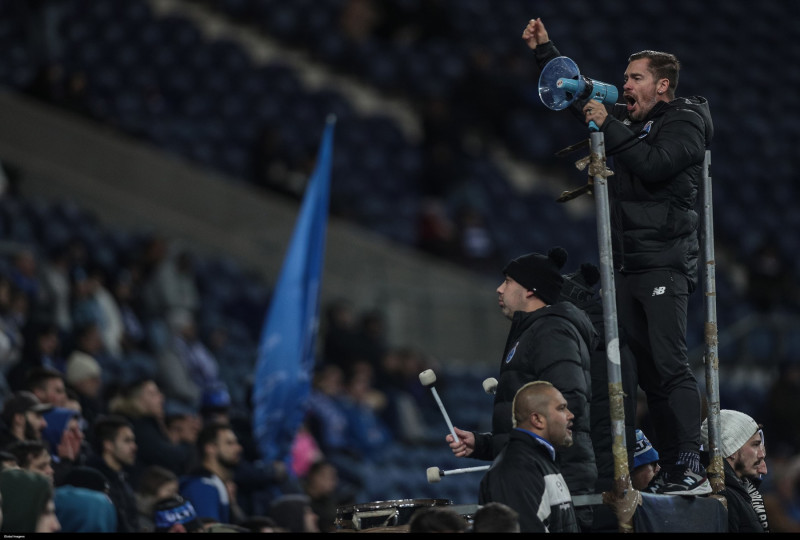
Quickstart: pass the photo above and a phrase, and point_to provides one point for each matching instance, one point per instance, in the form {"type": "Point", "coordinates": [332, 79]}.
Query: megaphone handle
{"type": "Point", "coordinates": [592, 125]}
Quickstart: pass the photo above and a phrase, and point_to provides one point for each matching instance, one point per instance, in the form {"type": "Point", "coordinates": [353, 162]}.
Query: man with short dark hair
{"type": "Point", "coordinates": [8, 460]}
{"type": "Point", "coordinates": [22, 418]}
{"type": "Point", "coordinates": [183, 427]}
{"type": "Point", "coordinates": [206, 487]}
{"type": "Point", "coordinates": [47, 384]}
{"type": "Point", "coordinates": [33, 456]}
{"type": "Point", "coordinates": [115, 447]}
{"type": "Point", "coordinates": [525, 475]}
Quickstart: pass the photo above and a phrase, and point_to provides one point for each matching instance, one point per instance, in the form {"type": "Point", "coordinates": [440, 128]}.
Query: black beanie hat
{"type": "Point", "coordinates": [87, 477]}
{"type": "Point", "coordinates": [540, 274]}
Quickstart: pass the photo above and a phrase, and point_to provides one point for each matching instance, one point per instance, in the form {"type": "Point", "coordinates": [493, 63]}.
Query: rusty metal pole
{"type": "Point", "coordinates": [622, 496]}
{"type": "Point", "coordinates": [716, 471]}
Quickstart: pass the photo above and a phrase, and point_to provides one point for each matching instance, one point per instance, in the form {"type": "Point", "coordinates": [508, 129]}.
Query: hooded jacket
{"type": "Point", "coordinates": [25, 497]}
{"type": "Point", "coordinates": [85, 510]}
{"type": "Point", "coordinates": [57, 420]}
{"type": "Point", "coordinates": [658, 168]}
{"type": "Point", "coordinates": [550, 344]}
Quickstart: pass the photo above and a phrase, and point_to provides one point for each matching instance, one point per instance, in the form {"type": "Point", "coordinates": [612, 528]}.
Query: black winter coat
{"type": "Point", "coordinates": [155, 448]}
{"type": "Point", "coordinates": [550, 344]}
{"type": "Point", "coordinates": [742, 517]}
{"type": "Point", "coordinates": [121, 494]}
{"type": "Point", "coordinates": [658, 168]}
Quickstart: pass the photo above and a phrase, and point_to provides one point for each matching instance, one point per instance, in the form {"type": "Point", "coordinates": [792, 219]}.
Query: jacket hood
{"type": "Point", "coordinates": [57, 419]}
{"type": "Point", "coordinates": [564, 309]}
{"type": "Point", "coordinates": [85, 510]}
{"type": "Point", "coordinates": [578, 318]}
{"type": "Point", "coordinates": [31, 492]}
{"type": "Point", "coordinates": [699, 105]}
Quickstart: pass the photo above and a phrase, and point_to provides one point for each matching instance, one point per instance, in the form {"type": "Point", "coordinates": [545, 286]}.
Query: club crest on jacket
{"type": "Point", "coordinates": [645, 129]}
{"type": "Point", "coordinates": [511, 352]}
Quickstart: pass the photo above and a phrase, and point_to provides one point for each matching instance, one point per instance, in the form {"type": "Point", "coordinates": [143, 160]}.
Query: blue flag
{"type": "Point", "coordinates": [285, 360]}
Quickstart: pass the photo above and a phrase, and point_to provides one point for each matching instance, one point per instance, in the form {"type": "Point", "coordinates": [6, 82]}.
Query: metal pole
{"type": "Point", "coordinates": [716, 471]}
{"type": "Point", "coordinates": [597, 169]}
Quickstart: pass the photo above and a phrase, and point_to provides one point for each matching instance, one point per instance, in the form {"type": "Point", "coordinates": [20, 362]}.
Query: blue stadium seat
{"type": "Point", "coordinates": [760, 345]}
{"type": "Point", "coordinates": [181, 32]}
{"type": "Point", "coordinates": [790, 346]}
{"type": "Point", "coordinates": [284, 20]}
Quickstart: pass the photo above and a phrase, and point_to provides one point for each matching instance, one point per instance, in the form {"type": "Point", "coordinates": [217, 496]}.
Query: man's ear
{"type": "Point", "coordinates": [538, 420]}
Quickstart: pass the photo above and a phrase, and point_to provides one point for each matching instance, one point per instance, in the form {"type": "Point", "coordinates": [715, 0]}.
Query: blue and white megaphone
{"type": "Point", "coordinates": [561, 84]}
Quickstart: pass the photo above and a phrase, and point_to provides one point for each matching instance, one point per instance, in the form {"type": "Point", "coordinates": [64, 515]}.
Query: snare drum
{"type": "Point", "coordinates": [382, 514]}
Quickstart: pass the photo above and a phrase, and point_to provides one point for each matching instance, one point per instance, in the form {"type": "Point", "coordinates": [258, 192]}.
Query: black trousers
{"type": "Point", "coordinates": [652, 311]}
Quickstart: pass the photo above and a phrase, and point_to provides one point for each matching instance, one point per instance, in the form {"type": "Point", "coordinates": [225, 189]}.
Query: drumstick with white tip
{"type": "Point", "coordinates": [428, 379]}
{"type": "Point", "coordinates": [435, 473]}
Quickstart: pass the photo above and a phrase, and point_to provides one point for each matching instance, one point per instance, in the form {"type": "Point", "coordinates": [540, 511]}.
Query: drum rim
{"type": "Point", "coordinates": [396, 503]}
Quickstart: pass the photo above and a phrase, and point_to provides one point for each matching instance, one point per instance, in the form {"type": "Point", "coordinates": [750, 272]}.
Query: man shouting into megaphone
{"type": "Point", "coordinates": [658, 144]}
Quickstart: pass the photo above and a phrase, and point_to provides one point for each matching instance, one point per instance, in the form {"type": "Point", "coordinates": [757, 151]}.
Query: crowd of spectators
{"type": "Point", "coordinates": [105, 369]}
{"type": "Point", "coordinates": [110, 388]}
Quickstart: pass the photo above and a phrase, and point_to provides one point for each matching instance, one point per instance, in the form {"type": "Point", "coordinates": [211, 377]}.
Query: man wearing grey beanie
{"type": "Point", "coordinates": [743, 453]}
